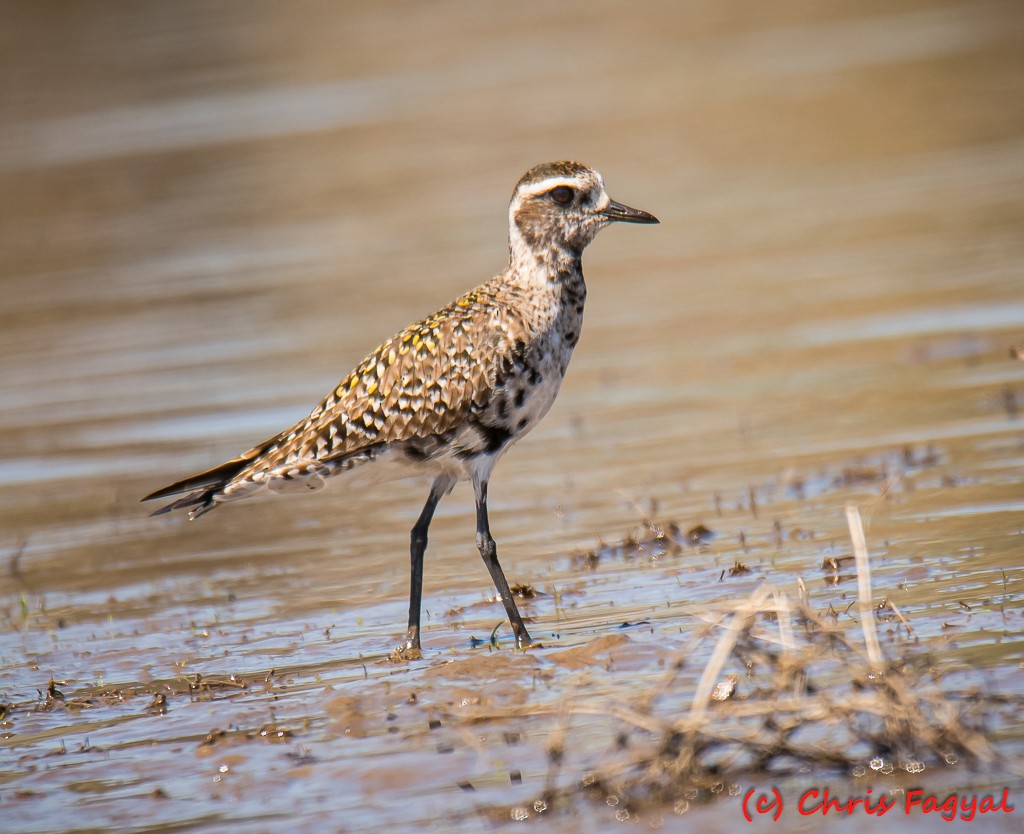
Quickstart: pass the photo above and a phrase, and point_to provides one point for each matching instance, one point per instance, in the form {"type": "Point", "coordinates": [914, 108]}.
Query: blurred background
{"type": "Point", "coordinates": [209, 212]}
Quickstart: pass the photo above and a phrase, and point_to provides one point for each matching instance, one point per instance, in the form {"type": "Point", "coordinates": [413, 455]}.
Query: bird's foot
{"type": "Point", "coordinates": [405, 653]}
{"type": "Point", "coordinates": [524, 641]}
{"type": "Point", "coordinates": [410, 649]}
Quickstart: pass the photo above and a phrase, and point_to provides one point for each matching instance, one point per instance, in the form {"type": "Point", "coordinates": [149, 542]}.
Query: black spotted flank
{"type": "Point", "coordinates": [414, 453]}
{"type": "Point", "coordinates": [511, 364]}
{"type": "Point", "coordinates": [494, 437]}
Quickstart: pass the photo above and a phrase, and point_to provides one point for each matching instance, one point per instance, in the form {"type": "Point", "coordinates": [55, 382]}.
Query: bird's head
{"type": "Point", "coordinates": [563, 205]}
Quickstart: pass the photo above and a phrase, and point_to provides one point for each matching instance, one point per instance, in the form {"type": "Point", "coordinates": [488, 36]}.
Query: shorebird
{"type": "Point", "coordinates": [450, 394]}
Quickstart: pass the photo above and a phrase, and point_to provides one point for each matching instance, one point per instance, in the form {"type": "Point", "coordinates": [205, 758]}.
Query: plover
{"type": "Point", "coordinates": [449, 395]}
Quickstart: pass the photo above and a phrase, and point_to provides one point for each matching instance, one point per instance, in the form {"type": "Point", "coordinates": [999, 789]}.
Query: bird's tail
{"type": "Point", "coordinates": [203, 489]}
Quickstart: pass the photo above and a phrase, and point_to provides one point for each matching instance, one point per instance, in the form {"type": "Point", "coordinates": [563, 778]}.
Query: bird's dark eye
{"type": "Point", "coordinates": [562, 194]}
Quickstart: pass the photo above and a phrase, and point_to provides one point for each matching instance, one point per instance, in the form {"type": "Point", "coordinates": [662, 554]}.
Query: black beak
{"type": "Point", "coordinates": [617, 211]}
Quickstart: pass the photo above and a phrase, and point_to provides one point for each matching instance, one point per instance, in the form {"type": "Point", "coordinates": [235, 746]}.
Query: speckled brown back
{"type": "Point", "coordinates": [424, 381]}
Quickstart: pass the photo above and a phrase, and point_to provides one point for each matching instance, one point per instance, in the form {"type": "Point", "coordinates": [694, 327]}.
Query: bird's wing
{"type": "Point", "coordinates": [423, 382]}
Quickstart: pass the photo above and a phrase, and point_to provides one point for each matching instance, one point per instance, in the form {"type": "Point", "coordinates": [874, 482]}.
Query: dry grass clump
{"type": "Point", "coordinates": [818, 702]}
{"type": "Point", "coordinates": [786, 690]}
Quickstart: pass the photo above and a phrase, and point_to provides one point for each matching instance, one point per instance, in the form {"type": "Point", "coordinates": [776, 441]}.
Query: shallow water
{"type": "Point", "coordinates": [208, 215]}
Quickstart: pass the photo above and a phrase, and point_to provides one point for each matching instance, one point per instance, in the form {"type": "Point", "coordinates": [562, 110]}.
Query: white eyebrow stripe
{"type": "Point", "coordinates": [544, 186]}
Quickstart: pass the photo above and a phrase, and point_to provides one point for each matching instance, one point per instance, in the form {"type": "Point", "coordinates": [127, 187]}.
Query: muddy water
{"type": "Point", "coordinates": [209, 214]}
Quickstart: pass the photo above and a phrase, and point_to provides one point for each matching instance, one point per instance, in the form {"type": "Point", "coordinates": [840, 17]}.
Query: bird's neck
{"type": "Point", "coordinates": [543, 268]}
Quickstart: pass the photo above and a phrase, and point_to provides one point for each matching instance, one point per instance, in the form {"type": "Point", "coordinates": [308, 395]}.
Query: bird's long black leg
{"type": "Point", "coordinates": [418, 546]}
{"type": "Point", "coordinates": [489, 552]}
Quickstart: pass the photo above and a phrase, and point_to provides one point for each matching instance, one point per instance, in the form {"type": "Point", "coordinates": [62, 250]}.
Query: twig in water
{"type": "Point", "coordinates": [740, 620]}
{"type": "Point", "coordinates": [898, 613]}
{"type": "Point", "coordinates": [867, 613]}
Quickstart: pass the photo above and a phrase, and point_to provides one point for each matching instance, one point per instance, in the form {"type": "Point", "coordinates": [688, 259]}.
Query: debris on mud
{"type": "Point", "coordinates": [786, 688]}
{"type": "Point", "coordinates": [271, 733]}
{"type": "Point", "coordinates": [651, 539]}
